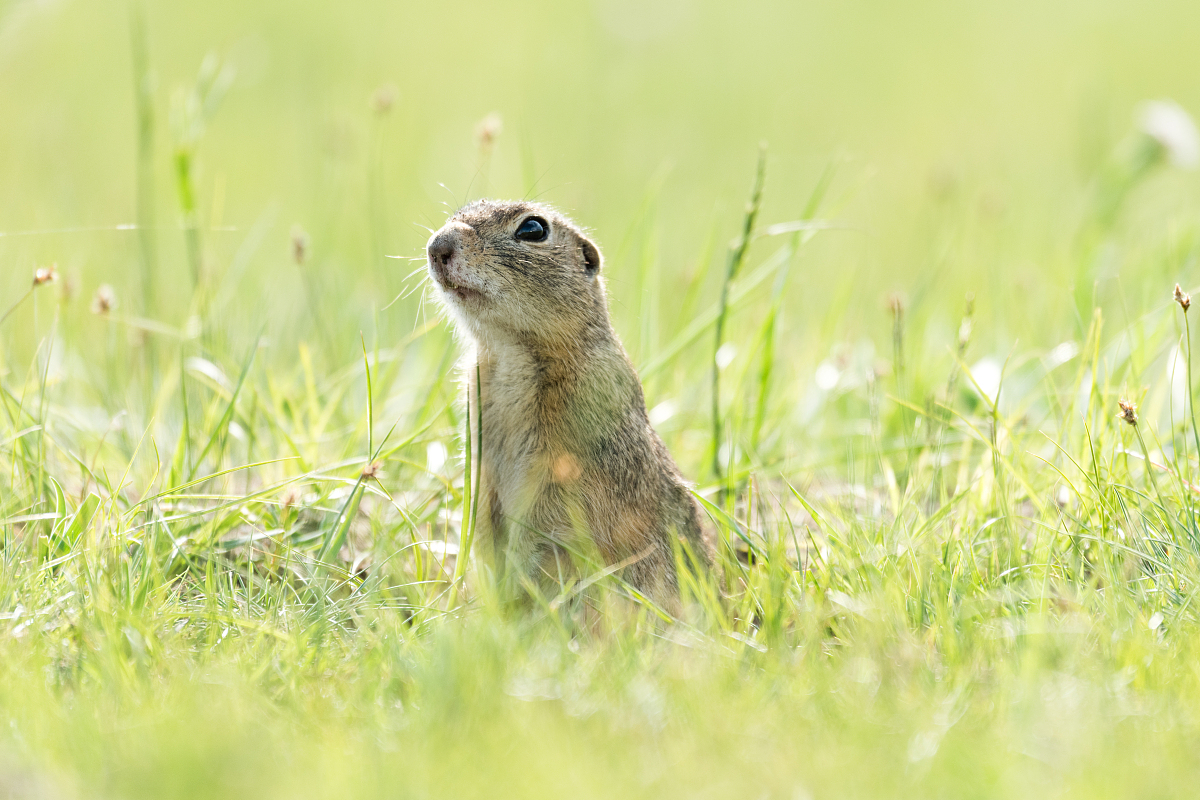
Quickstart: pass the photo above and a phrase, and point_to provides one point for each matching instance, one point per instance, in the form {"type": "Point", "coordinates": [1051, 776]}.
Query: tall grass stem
{"type": "Point", "coordinates": [737, 256]}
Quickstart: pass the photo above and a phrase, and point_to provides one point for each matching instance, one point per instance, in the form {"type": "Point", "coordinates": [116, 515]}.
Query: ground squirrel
{"type": "Point", "coordinates": [567, 449]}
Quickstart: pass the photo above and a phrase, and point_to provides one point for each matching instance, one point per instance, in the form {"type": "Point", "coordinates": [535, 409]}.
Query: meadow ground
{"type": "Point", "coordinates": [234, 499]}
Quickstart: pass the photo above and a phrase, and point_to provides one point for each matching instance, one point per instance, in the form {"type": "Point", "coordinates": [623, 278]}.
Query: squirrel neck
{"type": "Point", "coordinates": [554, 361]}
{"type": "Point", "coordinates": [554, 396]}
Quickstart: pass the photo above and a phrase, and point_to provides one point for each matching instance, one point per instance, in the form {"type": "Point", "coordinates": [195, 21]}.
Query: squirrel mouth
{"type": "Point", "coordinates": [461, 292]}
{"type": "Point", "coordinates": [441, 276]}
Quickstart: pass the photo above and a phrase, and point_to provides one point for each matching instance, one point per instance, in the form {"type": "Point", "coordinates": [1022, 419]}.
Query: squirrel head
{"type": "Point", "coordinates": [512, 269]}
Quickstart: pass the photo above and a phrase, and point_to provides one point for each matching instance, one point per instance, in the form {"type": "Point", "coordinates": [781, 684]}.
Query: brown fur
{"type": "Point", "coordinates": [567, 447]}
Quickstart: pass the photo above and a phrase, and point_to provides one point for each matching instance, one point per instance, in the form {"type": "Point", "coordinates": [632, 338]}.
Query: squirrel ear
{"type": "Point", "coordinates": [591, 255]}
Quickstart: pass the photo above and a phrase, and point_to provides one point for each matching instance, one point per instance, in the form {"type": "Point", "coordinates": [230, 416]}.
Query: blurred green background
{"type": "Point", "coordinates": [965, 137]}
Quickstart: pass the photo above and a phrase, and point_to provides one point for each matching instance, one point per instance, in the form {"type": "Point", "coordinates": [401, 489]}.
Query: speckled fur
{"type": "Point", "coordinates": [568, 450]}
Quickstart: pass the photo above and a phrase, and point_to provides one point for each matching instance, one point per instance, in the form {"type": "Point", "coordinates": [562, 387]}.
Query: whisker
{"type": "Point", "coordinates": [395, 300]}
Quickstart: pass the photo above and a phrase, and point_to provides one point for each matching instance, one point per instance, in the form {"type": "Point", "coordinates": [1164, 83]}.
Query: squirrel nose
{"type": "Point", "coordinates": [441, 249]}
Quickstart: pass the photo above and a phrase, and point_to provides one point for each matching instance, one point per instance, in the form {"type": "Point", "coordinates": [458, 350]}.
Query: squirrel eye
{"type": "Point", "coordinates": [534, 229]}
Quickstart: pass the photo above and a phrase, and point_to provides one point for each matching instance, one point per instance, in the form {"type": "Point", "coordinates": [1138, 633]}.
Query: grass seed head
{"type": "Point", "coordinates": [105, 299]}
{"type": "Point", "coordinates": [488, 130]}
{"type": "Point", "coordinates": [384, 98]}
{"type": "Point", "coordinates": [1128, 411]}
{"type": "Point", "coordinates": [964, 333]}
{"type": "Point", "coordinates": [372, 471]}
{"type": "Point", "coordinates": [291, 497]}
{"type": "Point", "coordinates": [45, 275]}
{"type": "Point", "coordinates": [299, 245]}
{"type": "Point", "coordinates": [1183, 298]}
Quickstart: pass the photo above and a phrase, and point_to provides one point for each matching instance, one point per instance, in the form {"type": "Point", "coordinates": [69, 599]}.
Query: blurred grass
{"type": "Point", "coordinates": [230, 505]}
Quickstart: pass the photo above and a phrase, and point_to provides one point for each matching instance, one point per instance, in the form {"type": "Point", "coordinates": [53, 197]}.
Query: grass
{"type": "Point", "coordinates": [236, 506]}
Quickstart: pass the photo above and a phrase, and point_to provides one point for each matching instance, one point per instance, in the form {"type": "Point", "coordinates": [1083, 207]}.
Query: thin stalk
{"type": "Point", "coordinates": [185, 186]}
{"type": "Point", "coordinates": [341, 526]}
{"type": "Point", "coordinates": [998, 473]}
{"type": "Point", "coordinates": [43, 411]}
{"type": "Point", "coordinates": [143, 101]}
{"type": "Point", "coordinates": [20, 300]}
{"type": "Point", "coordinates": [942, 422]}
{"type": "Point", "coordinates": [470, 493]}
{"type": "Point", "coordinates": [478, 459]}
{"type": "Point", "coordinates": [192, 110]}
{"type": "Point", "coordinates": [143, 95]}
{"type": "Point", "coordinates": [1189, 500]}
{"type": "Point", "coordinates": [737, 257]}
{"type": "Point", "coordinates": [1162, 502]}
{"type": "Point", "coordinates": [897, 309]}
{"type": "Point", "coordinates": [370, 396]}
{"type": "Point", "coordinates": [767, 365]}
{"type": "Point", "coordinates": [1187, 334]}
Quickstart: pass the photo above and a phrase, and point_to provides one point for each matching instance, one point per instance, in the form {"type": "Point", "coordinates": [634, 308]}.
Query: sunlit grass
{"type": "Point", "coordinates": [959, 550]}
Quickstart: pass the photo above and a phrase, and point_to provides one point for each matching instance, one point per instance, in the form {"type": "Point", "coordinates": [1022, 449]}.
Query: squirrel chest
{"type": "Point", "coordinates": [545, 426]}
